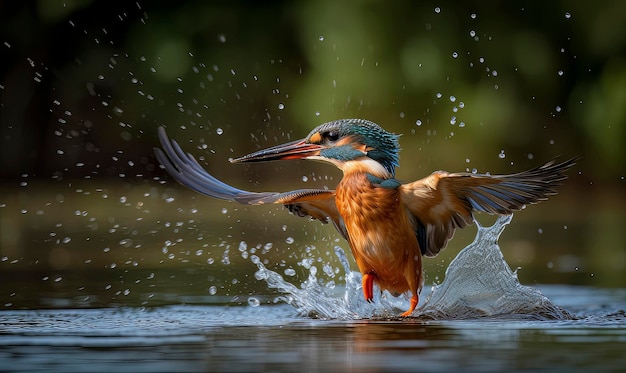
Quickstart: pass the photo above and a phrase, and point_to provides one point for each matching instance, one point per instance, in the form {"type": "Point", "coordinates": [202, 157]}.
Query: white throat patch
{"type": "Point", "coordinates": [363, 164]}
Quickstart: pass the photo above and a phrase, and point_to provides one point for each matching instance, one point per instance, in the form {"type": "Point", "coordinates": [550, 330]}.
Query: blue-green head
{"type": "Point", "coordinates": [350, 144]}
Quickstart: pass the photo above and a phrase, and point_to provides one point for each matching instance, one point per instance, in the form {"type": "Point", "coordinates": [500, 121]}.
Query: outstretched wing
{"type": "Point", "coordinates": [443, 201]}
{"type": "Point", "coordinates": [317, 203]}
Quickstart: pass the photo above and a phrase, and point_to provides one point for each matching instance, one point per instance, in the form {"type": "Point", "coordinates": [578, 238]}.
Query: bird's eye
{"type": "Point", "coordinates": [332, 136]}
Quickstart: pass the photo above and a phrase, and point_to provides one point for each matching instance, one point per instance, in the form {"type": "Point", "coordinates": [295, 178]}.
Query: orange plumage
{"type": "Point", "coordinates": [380, 234]}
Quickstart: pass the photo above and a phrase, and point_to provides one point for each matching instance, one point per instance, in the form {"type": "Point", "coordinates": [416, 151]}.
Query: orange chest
{"type": "Point", "coordinates": [362, 202]}
{"type": "Point", "coordinates": [380, 231]}
{"type": "Point", "coordinates": [377, 222]}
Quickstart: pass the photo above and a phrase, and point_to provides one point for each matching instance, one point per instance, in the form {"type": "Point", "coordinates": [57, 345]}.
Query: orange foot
{"type": "Point", "coordinates": [368, 286]}
{"type": "Point", "coordinates": [408, 313]}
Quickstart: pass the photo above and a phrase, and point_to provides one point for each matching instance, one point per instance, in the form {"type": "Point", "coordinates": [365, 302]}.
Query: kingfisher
{"type": "Point", "coordinates": [389, 224]}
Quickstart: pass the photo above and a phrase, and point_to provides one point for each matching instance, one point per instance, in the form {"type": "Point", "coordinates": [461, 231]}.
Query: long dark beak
{"type": "Point", "coordinates": [292, 150]}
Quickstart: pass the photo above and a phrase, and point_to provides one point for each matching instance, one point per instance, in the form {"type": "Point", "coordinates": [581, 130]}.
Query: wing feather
{"type": "Point", "coordinates": [443, 202]}
{"type": "Point", "coordinates": [183, 167]}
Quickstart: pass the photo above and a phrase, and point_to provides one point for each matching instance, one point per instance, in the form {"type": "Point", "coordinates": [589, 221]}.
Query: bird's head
{"type": "Point", "coordinates": [350, 144]}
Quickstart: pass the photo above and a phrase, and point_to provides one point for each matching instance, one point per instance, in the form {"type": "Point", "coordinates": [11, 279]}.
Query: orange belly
{"type": "Point", "coordinates": [381, 235]}
{"type": "Point", "coordinates": [390, 251]}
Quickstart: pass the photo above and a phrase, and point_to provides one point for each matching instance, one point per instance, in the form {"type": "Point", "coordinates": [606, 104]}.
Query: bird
{"type": "Point", "coordinates": [389, 224]}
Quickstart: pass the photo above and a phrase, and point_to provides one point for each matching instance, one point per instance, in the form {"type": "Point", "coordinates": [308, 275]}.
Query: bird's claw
{"type": "Point", "coordinates": [368, 286]}
{"type": "Point", "coordinates": [409, 312]}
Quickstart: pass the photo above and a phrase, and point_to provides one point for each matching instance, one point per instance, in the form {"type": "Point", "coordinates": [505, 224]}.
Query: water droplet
{"type": "Point", "coordinates": [255, 259]}
{"type": "Point", "coordinates": [281, 106]}
{"type": "Point", "coordinates": [501, 155]}
{"type": "Point", "coordinates": [289, 240]}
{"type": "Point", "coordinates": [455, 54]}
{"type": "Point", "coordinates": [290, 272]}
{"type": "Point", "coordinates": [418, 122]}
{"type": "Point", "coordinates": [473, 16]}
{"type": "Point", "coordinates": [472, 33]}
{"type": "Point", "coordinates": [122, 199]}
{"type": "Point", "coordinates": [213, 290]}
{"type": "Point", "coordinates": [219, 131]}
{"type": "Point", "coordinates": [260, 275]}
{"type": "Point", "coordinates": [253, 302]}
{"type": "Point", "coordinates": [452, 99]}
{"type": "Point", "coordinates": [224, 210]}
{"type": "Point", "coordinates": [305, 179]}
{"type": "Point", "coordinates": [568, 15]}
{"type": "Point", "coordinates": [437, 10]}
{"type": "Point", "coordinates": [560, 72]}
{"type": "Point", "coordinates": [321, 38]}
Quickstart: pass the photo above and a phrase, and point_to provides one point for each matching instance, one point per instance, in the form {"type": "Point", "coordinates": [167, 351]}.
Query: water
{"type": "Point", "coordinates": [474, 321]}
{"type": "Point", "coordinates": [480, 283]}
{"type": "Point", "coordinates": [275, 338]}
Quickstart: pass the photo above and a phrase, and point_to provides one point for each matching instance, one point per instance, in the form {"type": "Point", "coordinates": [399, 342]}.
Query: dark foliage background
{"type": "Point", "coordinates": [495, 86]}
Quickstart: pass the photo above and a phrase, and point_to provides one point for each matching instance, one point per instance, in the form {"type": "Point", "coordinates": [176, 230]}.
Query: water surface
{"type": "Point", "coordinates": [276, 338]}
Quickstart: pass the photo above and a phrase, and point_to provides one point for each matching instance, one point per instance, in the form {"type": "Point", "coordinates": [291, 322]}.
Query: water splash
{"type": "Point", "coordinates": [315, 300]}
{"type": "Point", "coordinates": [478, 283]}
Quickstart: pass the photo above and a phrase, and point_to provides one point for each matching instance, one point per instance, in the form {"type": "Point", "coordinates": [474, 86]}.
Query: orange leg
{"type": "Point", "coordinates": [414, 300]}
{"type": "Point", "coordinates": [368, 286]}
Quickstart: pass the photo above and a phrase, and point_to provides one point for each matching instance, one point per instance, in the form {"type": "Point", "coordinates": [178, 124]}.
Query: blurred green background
{"type": "Point", "coordinates": [88, 218]}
